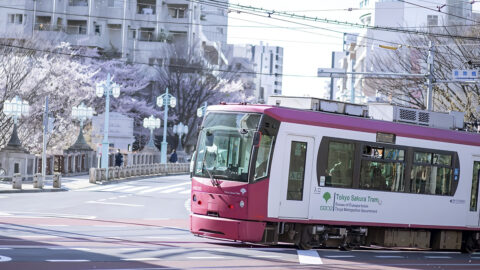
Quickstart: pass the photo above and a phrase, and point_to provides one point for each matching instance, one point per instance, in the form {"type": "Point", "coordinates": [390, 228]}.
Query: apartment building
{"type": "Point", "coordinates": [262, 67]}
{"type": "Point", "coordinates": [360, 49]}
{"type": "Point", "coordinates": [143, 31]}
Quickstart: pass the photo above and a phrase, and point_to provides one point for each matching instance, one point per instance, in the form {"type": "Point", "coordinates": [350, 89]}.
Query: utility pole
{"type": "Point", "coordinates": [430, 79]}
{"type": "Point", "coordinates": [331, 78]}
{"type": "Point", "coordinates": [45, 130]}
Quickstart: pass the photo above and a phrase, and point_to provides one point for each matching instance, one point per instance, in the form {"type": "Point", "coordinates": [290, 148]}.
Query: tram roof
{"type": "Point", "coordinates": [340, 121]}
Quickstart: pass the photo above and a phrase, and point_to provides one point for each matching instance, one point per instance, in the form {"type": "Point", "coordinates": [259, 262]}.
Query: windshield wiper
{"type": "Point", "coordinates": [214, 181]}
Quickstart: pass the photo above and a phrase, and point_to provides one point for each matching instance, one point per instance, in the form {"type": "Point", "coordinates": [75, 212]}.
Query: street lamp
{"type": "Point", "coordinates": [202, 110]}
{"type": "Point", "coordinates": [180, 130]}
{"type": "Point", "coordinates": [151, 123]}
{"type": "Point", "coordinates": [82, 113]}
{"type": "Point", "coordinates": [15, 108]}
{"type": "Point", "coordinates": [107, 88]}
{"type": "Point", "coordinates": [165, 100]}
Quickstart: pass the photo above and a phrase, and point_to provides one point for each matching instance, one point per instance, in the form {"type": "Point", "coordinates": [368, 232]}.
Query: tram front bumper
{"type": "Point", "coordinates": [247, 231]}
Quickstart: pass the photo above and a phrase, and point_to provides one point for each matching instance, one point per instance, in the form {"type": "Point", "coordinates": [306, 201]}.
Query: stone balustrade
{"type": "Point", "coordinates": [117, 173]}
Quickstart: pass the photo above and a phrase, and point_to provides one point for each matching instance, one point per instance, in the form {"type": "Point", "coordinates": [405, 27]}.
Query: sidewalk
{"type": "Point", "coordinates": [68, 183]}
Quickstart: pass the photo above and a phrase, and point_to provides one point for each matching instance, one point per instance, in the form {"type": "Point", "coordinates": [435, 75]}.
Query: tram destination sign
{"type": "Point", "coordinates": [465, 75]}
{"type": "Point", "coordinates": [386, 137]}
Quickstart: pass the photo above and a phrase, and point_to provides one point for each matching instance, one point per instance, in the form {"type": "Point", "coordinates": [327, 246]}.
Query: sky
{"type": "Point", "coordinates": [305, 48]}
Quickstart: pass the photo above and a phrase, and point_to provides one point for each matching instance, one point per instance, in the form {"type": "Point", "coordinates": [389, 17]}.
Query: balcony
{"type": "Point", "coordinates": [85, 40]}
{"type": "Point", "coordinates": [78, 7]}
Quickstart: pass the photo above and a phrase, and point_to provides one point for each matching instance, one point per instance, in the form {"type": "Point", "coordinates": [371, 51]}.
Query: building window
{"type": "Point", "coordinates": [432, 20]}
{"type": "Point", "coordinates": [177, 11]}
{"type": "Point", "coordinates": [15, 18]}
{"type": "Point", "coordinates": [78, 3]}
{"type": "Point", "coordinates": [147, 7]}
{"type": "Point", "coordinates": [97, 30]}
{"type": "Point", "coordinates": [111, 3]}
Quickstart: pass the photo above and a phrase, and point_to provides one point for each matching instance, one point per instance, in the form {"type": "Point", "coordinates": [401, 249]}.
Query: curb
{"type": "Point", "coordinates": [34, 190]}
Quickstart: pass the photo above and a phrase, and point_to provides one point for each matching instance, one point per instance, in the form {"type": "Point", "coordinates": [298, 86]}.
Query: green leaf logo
{"type": "Point", "coordinates": [327, 196]}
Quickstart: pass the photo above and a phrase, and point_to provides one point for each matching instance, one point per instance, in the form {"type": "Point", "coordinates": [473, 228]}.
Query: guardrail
{"type": "Point", "coordinates": [117, 173]}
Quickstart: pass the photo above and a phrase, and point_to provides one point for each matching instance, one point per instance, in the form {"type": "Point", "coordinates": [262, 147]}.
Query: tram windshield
{"type": "Point", "coordinates": [225, 146]}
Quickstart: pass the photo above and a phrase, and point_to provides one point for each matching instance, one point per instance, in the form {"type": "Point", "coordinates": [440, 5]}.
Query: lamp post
{"type": "Point", "coordinates": [202, 110]}
{"type": "Point", "coordinates": [180, 130]}
{"type": "Point", "coordinates": [151, 123]}
{"type": "Point", "coordinates": [107, 88]}
{"type": "Point", "coordinates": [82, 113]}
{"type": "Point", "coordinates": [165, 100]}
{"type": "Point", "coordinates": [15, 108]}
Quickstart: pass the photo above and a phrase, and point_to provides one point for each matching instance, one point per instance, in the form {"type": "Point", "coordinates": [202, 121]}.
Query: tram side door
{"type": "Point", "coordinates": [297, 173]}
{"type": "Point", "coordinates": [475, 190]}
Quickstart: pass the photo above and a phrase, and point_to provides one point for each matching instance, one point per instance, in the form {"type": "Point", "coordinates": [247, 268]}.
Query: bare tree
{"type": "Point", "coordinates": [450, 53]}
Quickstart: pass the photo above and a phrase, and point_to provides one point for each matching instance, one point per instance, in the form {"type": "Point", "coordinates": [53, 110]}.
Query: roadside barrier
{"type": "Point", "coordinates": [116, 173]}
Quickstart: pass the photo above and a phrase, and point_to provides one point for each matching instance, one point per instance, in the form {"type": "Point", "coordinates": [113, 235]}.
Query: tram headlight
{"type": "Point", "coordinates": [242, 204]}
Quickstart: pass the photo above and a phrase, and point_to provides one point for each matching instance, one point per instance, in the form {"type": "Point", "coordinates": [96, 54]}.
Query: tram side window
{"type": "Point", "coordinates": [431, 173]}
{"type": "Point", "coordinates": [263, 157]}
{"type": "Point", "coordinates": [475, 180]}
{"type": "Point", "coordinates": [382, 168]}
{"type": "Point", "coordinates": [340, 164]}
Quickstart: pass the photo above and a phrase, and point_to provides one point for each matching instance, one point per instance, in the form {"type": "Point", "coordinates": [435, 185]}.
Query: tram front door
{"type": "Point", "coordinates": [297, 177]}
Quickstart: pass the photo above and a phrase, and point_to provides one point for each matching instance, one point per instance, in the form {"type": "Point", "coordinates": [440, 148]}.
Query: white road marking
{"type": "Point", "coordinates": [161, 237]}
{"type": "Point", "coordinates": [309, 257]}
{"type": "Point", "coordinates": [118, 188]}
{"type": "Point", "coordinates": [475, 258]}
{"type": "Point", "coordinates": [67, 260]}
{"type": "Point", "coordinates": [3, 197]}
{"type": "Point", "coordinates": [5, 214]}
{"type": "Point", "coordinates": [110, 226]}
{"type": "Point", "coordinates": [187, 205]}
{"type": "Point", "coordinates": [339, 256]}
{"type": "Point", "coordinates": [4, 248]}
{"type": "Point", "coordinates": [136, 189]}
{"type": "Point", "coordinates": [119, 204]}
{"type": "Point", "coordinates": [438, 257]}
{"type": "Point", "coordinates": [141, 259]}
{"type": "Point", "coordinates": [162, 188]}
{"type": "Point", "coordinates": [5, 259]}
{"type": "Point", "coordinates": [266, 256]}
{"type": "Point", "coordinates": [36, 236]}
{"type": "Point", "coordinates": [389, 256]}
{"type": "Point", "coordinates": [206, 257]}
{"type": "Point", "coordinates": [185, 191]}
{"type": "Point", "coordinates": [171, 190]}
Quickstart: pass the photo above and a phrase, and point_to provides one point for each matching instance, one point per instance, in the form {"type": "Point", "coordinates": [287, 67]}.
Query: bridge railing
{"type": "Point", "coordinates": [130, 171]}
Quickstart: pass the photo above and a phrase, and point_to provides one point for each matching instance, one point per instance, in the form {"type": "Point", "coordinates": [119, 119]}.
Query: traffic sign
{"type": "Point", "coordinates": [332, 72]}
{"type": "Point", "coordinates": [465, 74]}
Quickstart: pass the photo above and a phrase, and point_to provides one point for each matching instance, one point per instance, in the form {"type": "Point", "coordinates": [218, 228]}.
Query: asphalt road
{"type": "Point", "coordinates": [143, 224]}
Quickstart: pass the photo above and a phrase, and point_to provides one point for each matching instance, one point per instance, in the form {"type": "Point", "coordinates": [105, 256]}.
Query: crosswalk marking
{"type": "Point", "coordinates": [119, 188]}
{"type": "Point", "coordinates": [164, 187]}
{"type": "Point", "coordinates": [137, 188]}
{"type": "Point", "coordinates": [309, 257]}
{"type": "Point", "coordinates": [171, 190]}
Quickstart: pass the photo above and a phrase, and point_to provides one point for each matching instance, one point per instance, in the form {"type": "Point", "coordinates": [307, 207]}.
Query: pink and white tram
{"type": "Point", "coordinates": [271, 174]}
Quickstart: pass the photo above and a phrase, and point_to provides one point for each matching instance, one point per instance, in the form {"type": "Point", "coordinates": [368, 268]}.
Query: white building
{"type": "Point", "coordinates": [359, 50]}
{"type": "Point", "coordinates": [120, 131]}
{"type": "Point", "coordinates": [137, 30]}
{"type": "Point", "coordinates": [262, 66]}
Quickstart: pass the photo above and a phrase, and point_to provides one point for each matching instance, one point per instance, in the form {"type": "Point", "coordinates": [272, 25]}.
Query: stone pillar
{"type": "Point", "coordinates": [57, 180]}
{"type": "Point", "coordinates": [17, 181]}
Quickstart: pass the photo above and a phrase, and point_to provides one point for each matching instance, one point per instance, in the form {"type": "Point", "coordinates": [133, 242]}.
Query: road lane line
{"type": "Point", "coordinates": [5, 214]}
{"type": "Point", "coordinates": [438, 257]}
{"type": "Point", "coordinates": [389, 257]}
{"type": "Point", "coordinates": [5, 259]}
{"type": "Point", "coordinates": [171, 190]}
{"type": "Point", "coordinates": [266, 256]}
{"type": "Point", "coordinates": [67, 260]}
{"type": "Point", "coordinates": [206, 257]}
{"type": "Point", "coordinates": [118, 204]}
{"type": "Point", "coordinates": [339, 256]}
{"type": "Point", "coordinates": [475, 258]}
{"type": "Point", "coordinates": [36, 236]}
{"type": "Point", "coordinates": [162, 188]}
{"type": "Point", "coordinates": [309, 257]}
{"type": "Point", "coordinates": [4, 248]}
{"type": "Point", "coordinates": [141, 259]}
